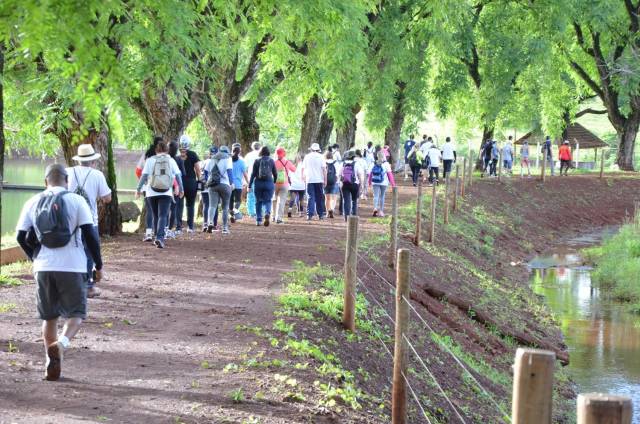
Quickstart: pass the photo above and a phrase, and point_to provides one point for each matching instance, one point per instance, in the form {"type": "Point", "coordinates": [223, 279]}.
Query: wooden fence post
{"type": "Point", "coordinates": [544, 166]}
{"type": "Point", "coordinates": [457, 188]}
{"type": "Point", "coordinates": [393, 242]}
{"type": "Point", "coordinates": [432, 232]}
{"type": "Point", "coordinates": [464, 174]}
{"type": "Point", "coordinates": [500, 166]}
{"type": "Point", "coordinates": [399, 391]}
{"type": "Point", "coordinates": [600, 408]}
{"type": "Point", "coordinates": [602, 164]}
{"type": "Point", "coordinates": [532, 386]}
{"type": "Point", "coordinates": [350, 274]}
{"type": "Point", "coordinates": [446, 199]}
{"type": "Point", "coordinates": [416, 238]}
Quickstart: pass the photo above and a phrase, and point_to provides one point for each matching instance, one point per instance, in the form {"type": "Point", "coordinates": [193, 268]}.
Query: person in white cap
{"type": "Point", "coordinates": [91, 184]}
{"type": "Point", "coordinates": [314, 174]}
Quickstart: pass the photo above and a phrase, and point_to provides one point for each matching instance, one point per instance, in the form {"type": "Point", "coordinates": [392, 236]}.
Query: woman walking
{"type": "Point", "coordinates": [263, 176]}
{"type": "Point", "coordinates": [240, 180]}
{"type": "Point", "coordinates": [189, 179]}
{"type": "Point", "coordinates": [296, 190]}
{"type": "Point", "coordinates": [380, 178]}
{"type": "Point", "coordinates": [148, 216]}
{"type": "Point", "coordinates": [160, 171]}
{"type": "Point", "coordinates": [175, 221]}
{"type": "Point", "coordinates": [219, 184]}
{"type": "Point", "coordinates": [352, 178]}
{"type": "Point", "coordinates": [331, 189]}
{"type": "Point", "coordinates": [284, 169]}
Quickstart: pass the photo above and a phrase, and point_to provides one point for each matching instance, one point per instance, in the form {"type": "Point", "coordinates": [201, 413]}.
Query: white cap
{"type": "Point", "coordinates": [315, 147]}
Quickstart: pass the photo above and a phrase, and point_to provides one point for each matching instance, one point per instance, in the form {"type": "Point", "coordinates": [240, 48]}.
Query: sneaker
{"type": "Point", "coordinates": [205, 227]}
{"type": "Point", "coordinates": [177, 233]}
{"type": "Point", "coordinates": [170, 234]}
{"type": "Point", "coordinates": [225, 231]}
{"type": "Point", "coordinates": [93, 292]}
{"type": "Point", "coordinates": [159, 244]}
{"type": "Point", "coordinates": [209, 229]}
{"type": "Point", "coordinates": [259, 223]}
{"type": "Point", "coordinates": [232, 218]}
{"type": "Point", "coordinates": [216, 228]}
{"type": "Point", "coordinates": [331, 214]}
{"type": "Point", "coordinates": [148, 236]}
{"type": "Point", "coordinates": [289, 214]}
{"type": "Point", "coordinates": [190, 231]}
{"type": "Point", "coordinates": [55, 352]}
{"type": "Point", "coordinates": [279, 221]}
{"type": "Point", "coordinates": [375, 212]}
{"type": "Point", "coordinates": [381, 214]}
{"type": "Point", "coordinates": [266, 220]}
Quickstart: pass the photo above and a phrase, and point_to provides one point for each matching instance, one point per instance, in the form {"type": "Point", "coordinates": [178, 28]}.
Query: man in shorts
{"type": "Point", "coordinates": [60, 272]}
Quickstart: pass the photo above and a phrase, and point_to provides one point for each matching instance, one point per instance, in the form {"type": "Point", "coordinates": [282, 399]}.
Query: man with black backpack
{"type": "Point", "coordinates": [49, 232]}
{"type": "Point", "coordinates": [90, 184]}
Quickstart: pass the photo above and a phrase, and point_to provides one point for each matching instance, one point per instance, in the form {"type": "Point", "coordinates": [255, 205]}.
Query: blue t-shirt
{"type": "Point", "coordinates": [239, 168]}
{"type": "Point", "coordinates": [408, 145]}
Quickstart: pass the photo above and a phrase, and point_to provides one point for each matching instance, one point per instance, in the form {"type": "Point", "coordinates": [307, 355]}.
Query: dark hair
{"type": "Point", "coordinates": [411, 136]}
{"type": "Point", "coordinates": [429, 138]}
{"type": "Point", "coordinates": [369, 144]}
{"type": "Point", "coordinates": [336, 146]}
{"type": "Point", "coordinates": [377, 149]}
{"type": "Point", "coordinates": [162, 147]}
{"type": "Point", "coordinates": [328, 155]}
{"type": "Point", "coordinates": [152, 149]}
{"type": "Point", "coordinates": [447, 139]}
{"type": "Point", "coordinates": [236, 154]}
{"type": "Point", "coordinates": [173, 149]}
{"type": "Point", "coordinates": [510, 137]}
{"type": "Point", "coordinates": [265, 151]}
{"type": "Point", "coordinates": [359, 153]}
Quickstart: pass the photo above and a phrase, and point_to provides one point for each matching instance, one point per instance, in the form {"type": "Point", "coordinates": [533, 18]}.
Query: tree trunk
{"type": "Point", "coordinates": [221, 132]}
{"type": "Point", "coordinates": [325, 130]}
{"type": "Point", "coordinates": [627, 141]}
{"type": "Point", "coordinates": [310, 124]}
{"type": "Point", "coordinates": [346, 135]}
{"type": "Point", "coordinates": [100, 138]}
{"type": "Point", "coordinates": [392, 132]}
{"type": "Point", "coordinates": [246, 126]}
{"type": "Point", "coordinates": [2, 140]}
{"type": "Point", "coordinates": [487, 133]}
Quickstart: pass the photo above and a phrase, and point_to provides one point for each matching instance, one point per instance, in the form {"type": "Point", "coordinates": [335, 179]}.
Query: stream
{"type": "Point", "coordinates": [603, 338]}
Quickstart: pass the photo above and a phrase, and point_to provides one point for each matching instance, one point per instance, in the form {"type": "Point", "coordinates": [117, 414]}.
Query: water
{"type": "Point", "coordinates": [31, 172]}
{"type": "Point", "coordinates": [603, 338]}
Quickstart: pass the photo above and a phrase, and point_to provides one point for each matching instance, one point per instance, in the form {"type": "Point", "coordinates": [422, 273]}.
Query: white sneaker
{"type": "Point", "coordinates": [169, 234]}
{"type": "Point", "coordinates": [190, 231]}
{"type": "Point", "coordinates": [177, 233]}
{"type": "Point", "coordinates": [148, 236]}
{"type": "Point", "coordinates": [225, 231]}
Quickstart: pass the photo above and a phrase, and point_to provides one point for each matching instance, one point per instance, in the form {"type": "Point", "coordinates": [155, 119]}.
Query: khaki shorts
{"type": "Point", "coordinates": [61, 294]}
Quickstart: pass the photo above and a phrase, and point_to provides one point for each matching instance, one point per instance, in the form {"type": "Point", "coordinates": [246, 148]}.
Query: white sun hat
{"type": "Point", "coordinates": [86, 153]}
{"type": "Point", "coordinates": [315, 147]}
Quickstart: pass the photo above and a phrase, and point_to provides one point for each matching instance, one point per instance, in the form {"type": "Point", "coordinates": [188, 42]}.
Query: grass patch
{"type": "Point", "coordinates": [10, 274]}
{"type": "Point", "coordinates": [618, 265]}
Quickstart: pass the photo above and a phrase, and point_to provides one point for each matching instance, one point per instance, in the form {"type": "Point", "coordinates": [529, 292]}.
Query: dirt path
{"type": "Point", "coordinates": [156, 342]}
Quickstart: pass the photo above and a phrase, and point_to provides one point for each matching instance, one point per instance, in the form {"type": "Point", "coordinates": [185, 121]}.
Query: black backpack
{"type": "Point", "coordinates": [331, 174]}
{"type": "Point", "coordinates": [51, 224]}
{"type": "Point", "coordinates": [80, 191]}
{"type": "Point", "coordinates": [214, 175]}
{"type": "Point", "coordinates": [264, 169]}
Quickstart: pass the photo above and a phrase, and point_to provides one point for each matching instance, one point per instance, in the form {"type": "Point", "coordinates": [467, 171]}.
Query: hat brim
{"type": "Point", "coordinates": [87, 158]}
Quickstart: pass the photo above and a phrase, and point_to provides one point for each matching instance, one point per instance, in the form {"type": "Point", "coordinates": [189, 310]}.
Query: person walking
{"type": "Point", "coordinates": [524, 159]}
{"type": "Point", "coordinates": [370, 159]}
{"type": "Point", "coordinates": [564, 154]}
{"type": "Point", "coordinates": [220, 187]}
{"type": "Point", "coordinates": [285, 170]}
{"type": "Point", "coordinates": [204, 193]}
{"type": "Point", "coordinates": [507, 156]}
{"type": "Point", "coordinates": [495, 157]}
{"type": "Point", "coordinates": [415, 159]}
{"type": "Point", "coordinates": [297, 190]}
{"type": "Point", "coordinates": [434, 164]}
{"type": "Point", "coordinates": [486, 157]}
{"type": "Point", "coordinates": [448, 157]}
{"type": "Point", "coordinates": [352, 178]}
{"type": "Point", "coordinates": [90, 184]}
{"type": "Point", "coordinates": [263, 175]}
{"type": "Point", "coordinates": [189, 180]}
{"type": "Point", "coordinates": [547, 154]}
{"type": "Point", "coordinates": [314, 172]}
{"type": "Point", "coordinates": [425, 146]}
{"type": "Point", "coordinates": [331, 186]}
{"type": "Point", "coordinates": [160, 171]}
{"type": "Point", "coordinates": [379, 179]}
{"type": "Point", "coordinates": [49, 230]}
{"type": "Point", "coordinates": [249, 159]}
{"type": "Point", "coordinates": [408, 148]}
{"type": "Point", "coordinates": [240, 180]}
{"type": "Point", "coordinates": [148, 216]}
{"type": "Point", "coordinates": [174, 227]}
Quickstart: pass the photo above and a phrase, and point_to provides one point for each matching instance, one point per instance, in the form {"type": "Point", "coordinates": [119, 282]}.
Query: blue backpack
{"type": "Point", "coordinates": [377, 174]}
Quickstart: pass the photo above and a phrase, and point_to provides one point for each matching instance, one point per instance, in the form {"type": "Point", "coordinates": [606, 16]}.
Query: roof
{"type": "Point", "coordinates": [575, 133]}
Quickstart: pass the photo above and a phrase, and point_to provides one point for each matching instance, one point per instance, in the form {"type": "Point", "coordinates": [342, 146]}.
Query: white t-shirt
{"type": "Point", "coordinates": [313, 165]}
{"type": "Point", "coordinates": [223, 165]}
{"type": "Point", "coordinates": [447, 151]}
{"type": "Point", "coordinates": [434, 157]}
{"type": "Point", "coordinates": [69, 258]}
{"type": "Point", "coordinates": [425, 148]}
{"type": "Point", "coordinates": [296, 180]}
{"type": "Point", "coordinates": [148, 170]}
{"type": "Point", "coordinates": [251, 157]}
{"type": "Point", "coordinates": [94, 184]}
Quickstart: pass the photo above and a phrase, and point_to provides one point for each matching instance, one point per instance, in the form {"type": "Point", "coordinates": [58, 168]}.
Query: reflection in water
{"type": "Point", "coordinates": [603, 338]}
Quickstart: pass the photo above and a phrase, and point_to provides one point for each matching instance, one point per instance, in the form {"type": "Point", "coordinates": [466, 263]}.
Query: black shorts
{"type": "Point", "coordinates": [61, 294]}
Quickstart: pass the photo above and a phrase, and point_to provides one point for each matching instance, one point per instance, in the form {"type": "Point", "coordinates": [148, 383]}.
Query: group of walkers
{"type": "Point", "coordinates": [426, 156]}
{"type": "Point", "coordinates": [491, 153]}
{"type": "Point", "coordinates": [320, 184]}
